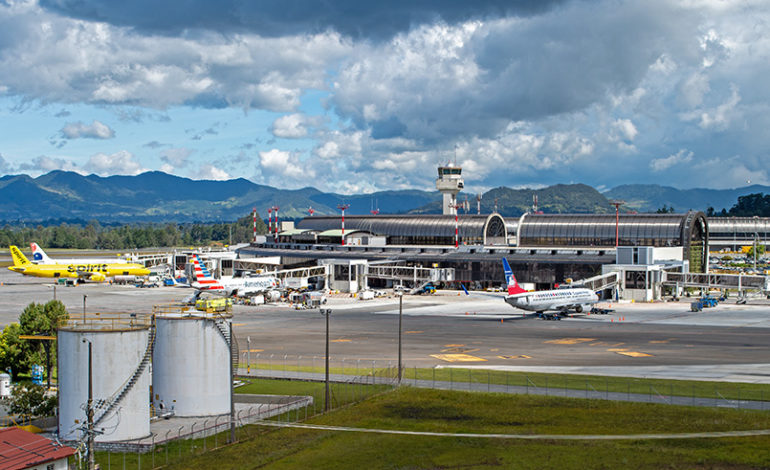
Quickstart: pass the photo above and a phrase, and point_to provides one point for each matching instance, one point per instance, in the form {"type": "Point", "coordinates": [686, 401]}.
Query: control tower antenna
{"type": "Point", "coordinates": [449, 183]}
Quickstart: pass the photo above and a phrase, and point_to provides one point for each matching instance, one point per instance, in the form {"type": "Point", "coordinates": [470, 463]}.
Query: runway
{"type": "Point", "coordinates": [447, 328]}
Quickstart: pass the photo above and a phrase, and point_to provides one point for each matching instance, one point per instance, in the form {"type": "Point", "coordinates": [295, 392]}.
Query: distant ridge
{"type": "Point", "coordinates": [159, 197]}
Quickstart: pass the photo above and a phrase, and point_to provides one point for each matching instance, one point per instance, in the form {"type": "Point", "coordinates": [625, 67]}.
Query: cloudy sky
{"type": "Point", "coordinates": [353, 96]}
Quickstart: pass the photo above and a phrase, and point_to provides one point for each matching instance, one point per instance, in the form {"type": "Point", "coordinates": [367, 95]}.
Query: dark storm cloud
{"type": "Point", "coordinates": [355, 18]}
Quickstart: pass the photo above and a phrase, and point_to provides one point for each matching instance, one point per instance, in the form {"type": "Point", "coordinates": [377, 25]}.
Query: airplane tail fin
{"type": "Point", "coordinates": [38, 255]}
{"type": "Point", "coordinates": [18, 257]}
{"type": "Point", "coordinates": [203, 278]}
{"type": "Point", "coordinates": [510, 279]}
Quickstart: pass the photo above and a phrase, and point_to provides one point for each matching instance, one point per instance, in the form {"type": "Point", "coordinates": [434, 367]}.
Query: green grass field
{"type": "Point", "coordinates": [589, 383]}
{"type": "Point", "coordinates": [453, 412]}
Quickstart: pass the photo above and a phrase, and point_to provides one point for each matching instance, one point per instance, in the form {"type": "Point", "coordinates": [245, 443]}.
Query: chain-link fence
{"type": "Point", "coordinates": [353, 380]}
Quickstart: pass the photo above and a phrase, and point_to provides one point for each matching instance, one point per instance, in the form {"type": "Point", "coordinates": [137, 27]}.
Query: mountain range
{"type": "Point", "coordinates": [160, 197]}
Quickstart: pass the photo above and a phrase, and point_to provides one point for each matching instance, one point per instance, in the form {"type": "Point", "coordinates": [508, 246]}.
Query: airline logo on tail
{"type": "Point", "coordinates": [205, 280]}
{"type": "Point", "coordinates": [510, 279]}
{"type": "Point", "coordinates": [39, 256]}
{"type": "Point", "coordinates": [18, 257]}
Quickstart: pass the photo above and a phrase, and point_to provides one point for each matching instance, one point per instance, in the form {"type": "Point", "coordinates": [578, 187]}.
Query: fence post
{"type": "Point", "coordinates": [179, 439]}
{"type": "Point", "coordinates": [138, 458]}
{"type": "Point", "coordinates": [153, 450]}
{"type": "Point", "coordinates": [284, 364]}
{"type": "Point", "coordinates": [204, 435]}
{"type": "Point", "coordinates": [167, 445]}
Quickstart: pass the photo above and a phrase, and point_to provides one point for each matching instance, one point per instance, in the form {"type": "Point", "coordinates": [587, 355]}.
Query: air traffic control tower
{"type": "Point", "coordinates": [449, 183]}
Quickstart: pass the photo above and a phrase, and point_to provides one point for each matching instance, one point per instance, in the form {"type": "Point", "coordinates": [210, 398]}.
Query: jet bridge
{"type": "Point", "coordinates": [599, 283]}
{"type": "Point", "coordinates": [739, 282]}
{"type": "Point", "coordinates": [415, 275]}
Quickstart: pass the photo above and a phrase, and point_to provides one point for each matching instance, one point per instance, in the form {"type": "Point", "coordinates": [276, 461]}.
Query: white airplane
{"type": "Point", "coordinates": [243, 287]}
{"type": "Point", "coordinates": [39, 257]}
{"type": "Point", "coordinates": [561, 300]}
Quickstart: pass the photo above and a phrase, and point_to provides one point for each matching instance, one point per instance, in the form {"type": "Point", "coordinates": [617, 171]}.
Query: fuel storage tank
{"type": "Point", "coordinates": [191, 364]}
{"type": "Point", "coordinates": [121, 349]}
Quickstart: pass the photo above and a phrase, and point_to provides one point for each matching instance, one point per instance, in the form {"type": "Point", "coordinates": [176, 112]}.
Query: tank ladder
{"type": "Point", "coordinates": [108, 405]}
{"type": "Point", "coordinates": [224, 331]}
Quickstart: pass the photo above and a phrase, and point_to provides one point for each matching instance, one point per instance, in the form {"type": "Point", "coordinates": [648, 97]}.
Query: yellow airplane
{"type": "Point", "coordinates": [89, 272]}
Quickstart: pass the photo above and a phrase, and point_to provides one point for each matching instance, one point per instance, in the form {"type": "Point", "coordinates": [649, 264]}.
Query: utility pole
{"type": "Point", "coordinates": [90, 411]}
{"type": "Point", "coordinates": [327, 313]}
{"type": "Point", "coordinates": [400, 316]}
{"type": "Point", "coordinates": [232, 376]}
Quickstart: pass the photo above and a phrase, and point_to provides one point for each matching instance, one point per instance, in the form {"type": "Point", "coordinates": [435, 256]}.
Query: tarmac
{"type": "Point", "coordinates": [662, 339]}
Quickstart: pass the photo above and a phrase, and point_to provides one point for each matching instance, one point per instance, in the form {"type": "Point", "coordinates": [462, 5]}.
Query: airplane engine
{"type": "Point", "coordinates": [97, 277]}
{"type": "Point", "coordinates": [579, 309]}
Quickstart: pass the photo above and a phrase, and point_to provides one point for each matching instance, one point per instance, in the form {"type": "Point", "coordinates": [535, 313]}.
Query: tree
{"type": "Point", "coordinates": [760, 250]}
{"type": "Point", "coordinates": [40, 320]}
{"type": "Point", "coordinates": [665, 210]}
{"type": "Point", "coordinates": [29, 400]}
{"type": "Point", "coordinates": [11, 349]}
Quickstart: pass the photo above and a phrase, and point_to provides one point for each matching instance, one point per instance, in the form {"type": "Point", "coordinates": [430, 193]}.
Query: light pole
{"type": "Point", "coordinates": [456, 208]}
{"type": "Point", "coordinates": [84, 307]}
{"type": "Point", "coordinates": [400, 312]}
{"type": "Point", "coordinates": [327, 312]}
{"type": "Point", "coordinates": [617, 205]}
{"type": "Point", "coordinates": [342, 207]}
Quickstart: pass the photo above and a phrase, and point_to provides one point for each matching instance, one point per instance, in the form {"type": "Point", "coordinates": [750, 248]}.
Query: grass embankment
{"type": "Point", "coordinates": [589, 383]}
{"type": "Point", "coordinates": [452, 411]}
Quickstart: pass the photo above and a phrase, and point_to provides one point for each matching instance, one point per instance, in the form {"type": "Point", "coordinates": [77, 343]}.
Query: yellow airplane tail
{"type": "Point", "coordinates": [18, 257]}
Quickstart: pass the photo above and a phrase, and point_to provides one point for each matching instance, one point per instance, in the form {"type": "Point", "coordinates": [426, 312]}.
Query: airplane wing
{"type": "Point", "coordinates": [483, 294]}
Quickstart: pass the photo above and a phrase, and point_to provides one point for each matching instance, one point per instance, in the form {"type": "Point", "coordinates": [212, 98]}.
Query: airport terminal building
{"type": "Point", "coordinates": [543, 249]}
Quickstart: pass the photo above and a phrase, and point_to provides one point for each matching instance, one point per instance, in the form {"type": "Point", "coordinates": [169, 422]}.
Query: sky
{"type": "Point", "coordinates": [351, 96]}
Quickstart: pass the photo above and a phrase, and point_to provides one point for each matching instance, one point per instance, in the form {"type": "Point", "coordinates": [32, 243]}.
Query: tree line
{"type": "Point", "coordinates": [93, 235]}
{"type": "Point", "coordinates": [747, 206]}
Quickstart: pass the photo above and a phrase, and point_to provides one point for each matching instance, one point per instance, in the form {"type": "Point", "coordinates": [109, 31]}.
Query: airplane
{"type": "Point", "coordinates": [560, 300]}
{"type": "Point", "coordinates": [39, 257]}
{"type": "Point", "coordinates": [244, 287]}
{"type": "Point", "coordinates": [540, 302]}
{"type": "Point", "coordinates": [97, 272]}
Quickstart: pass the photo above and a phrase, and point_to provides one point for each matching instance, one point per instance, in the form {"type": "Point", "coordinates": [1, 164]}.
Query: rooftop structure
{"type": "Point", "coordinates": [21, 449]}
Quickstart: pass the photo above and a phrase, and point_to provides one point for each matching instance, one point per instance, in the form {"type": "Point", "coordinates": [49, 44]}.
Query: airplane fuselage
{"type": "Point", "coordinates": [556, 299]}
{"type": "Point", "coordinates": [82, 271]}
{"type": "Point", "coordinates": [241, 287]}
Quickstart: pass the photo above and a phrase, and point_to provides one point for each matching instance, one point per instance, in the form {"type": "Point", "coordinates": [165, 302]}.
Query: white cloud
{"type": "Point", "coordinates": [120, 163]}
{"type": "Point", "coordinates": [44, 164]}
{"type": "Point", "coordinates": [285, 164]}
{"type": "Point", "coordinates": [682, 156]}
{"type": "Point", "coordinates": [79, 130]}
{"type": "Point", "coordinates": [293, 126]}
{"type": "Point", "coordinates": [175, 158]}
{"type": "Point", "coordinates": [211, 172]}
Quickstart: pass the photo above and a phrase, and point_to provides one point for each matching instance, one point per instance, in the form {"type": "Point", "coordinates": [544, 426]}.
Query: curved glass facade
{"type": "Point", "coordinates": [690, 231]}
{"type": "Point", "coordinates": [739, 229]}
{"type": "Point", "coordinates": [419, 229]}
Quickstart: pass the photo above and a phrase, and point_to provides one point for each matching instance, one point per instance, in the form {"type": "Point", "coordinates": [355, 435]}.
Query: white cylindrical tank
{"type": "Point", "coordinates": [191, 364]}
{"type": "Point", "coordinates": [120, 356]}
{"type": "Point", "coordinates": [5, 386]}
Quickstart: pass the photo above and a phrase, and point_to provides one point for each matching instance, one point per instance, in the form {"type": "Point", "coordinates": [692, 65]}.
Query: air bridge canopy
{"type": "Point", "coordinates": [419, 229]}
{"type": "Point", "coordinates": [689, 231]}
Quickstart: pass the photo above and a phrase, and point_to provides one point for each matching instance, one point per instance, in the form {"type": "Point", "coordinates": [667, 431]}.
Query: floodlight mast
{"type": "Point", "coordinates": [343, 207]}
{"type": "Point", "coordinates": [617, 204]}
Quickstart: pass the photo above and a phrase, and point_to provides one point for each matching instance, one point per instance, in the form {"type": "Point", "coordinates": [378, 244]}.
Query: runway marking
{"type": "Point", "coordinates": [520, 356]}
{"type": "Point", "coordinates": [239, 324]}
{"type": "Point", "coordinates": [453, 345]}
{"type": "Point", "coordinates": [341, 340]}
{"type": "Point", "coordinates": [458, 358]}
{"type": "Point", "coordinates": [617, 349]}
{"type": "Point", "coordinates": [570, 340]}
{"type": "Point", "coordinates": [413, 332]}
{"type": "Point", "coordinates": [459, 350]}
{"type": "Point", "coordinates": [660, 341]}
{"type": "Point", "coordinates": [634, 354]}
{"type": "Point", "coordinates": [494, 349]}
{"type": "Point", "coordinates": [254, 350]}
